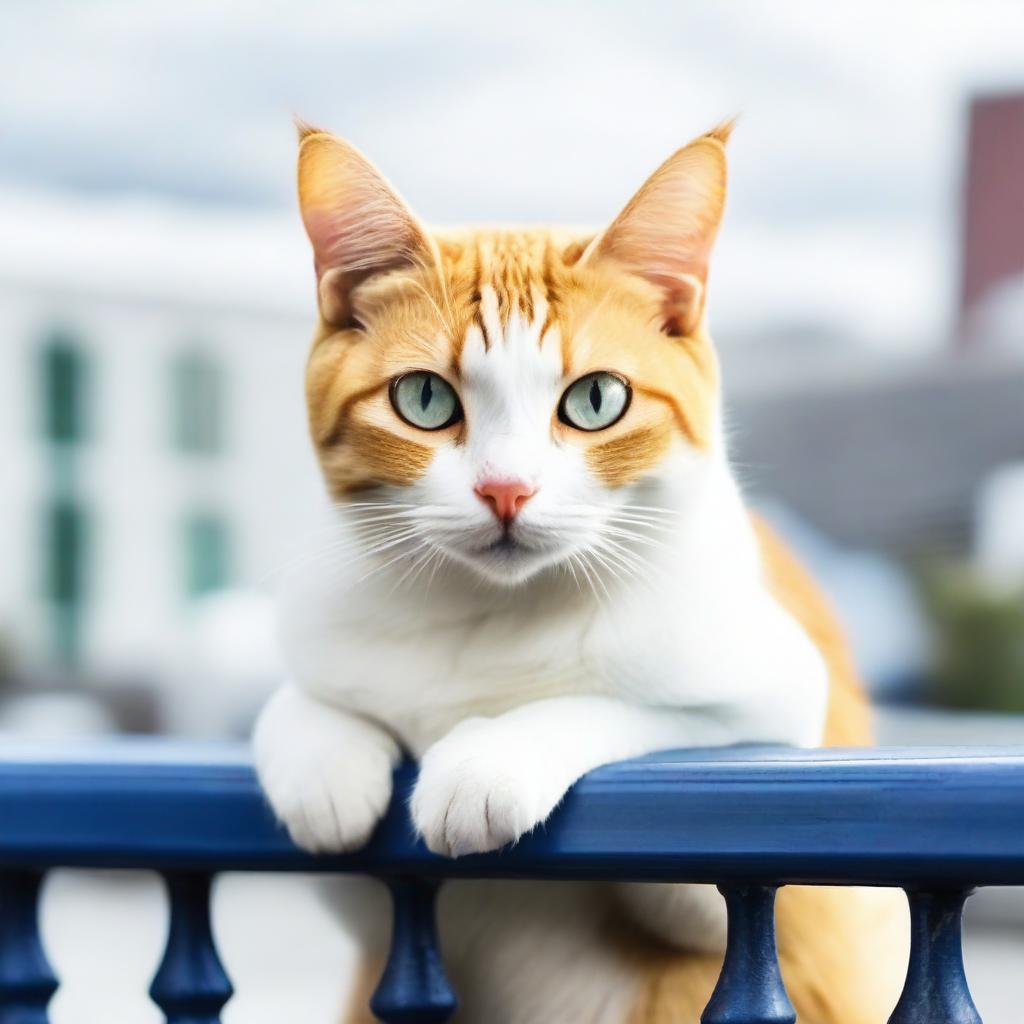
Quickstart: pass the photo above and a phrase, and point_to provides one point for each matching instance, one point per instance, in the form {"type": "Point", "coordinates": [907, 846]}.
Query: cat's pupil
{"type": "Point", "coordinates": [595, 396]}
{"type": "Point", "coordinates": [426, 394]}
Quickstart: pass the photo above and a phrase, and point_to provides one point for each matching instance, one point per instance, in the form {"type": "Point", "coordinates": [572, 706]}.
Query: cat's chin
{"type": "Point", "coordinates": [509, 564]}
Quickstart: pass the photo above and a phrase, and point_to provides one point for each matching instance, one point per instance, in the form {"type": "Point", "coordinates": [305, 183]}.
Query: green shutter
{"type": "Point", "coordinates": [65, 559]}
{"type": "Point", "coordinates": [207, 555]}
{"type": "Point", "coordinates": [63, 387]}
{"type": "Point", "coordinates": [197, 414]}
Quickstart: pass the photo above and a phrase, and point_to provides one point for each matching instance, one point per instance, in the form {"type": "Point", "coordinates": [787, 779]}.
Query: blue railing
{"type": "Point", "coordinates": [935, 822]}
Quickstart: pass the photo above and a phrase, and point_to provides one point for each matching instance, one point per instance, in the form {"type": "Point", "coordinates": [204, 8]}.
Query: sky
{"type": "Point", "coordinates": [845, 167]}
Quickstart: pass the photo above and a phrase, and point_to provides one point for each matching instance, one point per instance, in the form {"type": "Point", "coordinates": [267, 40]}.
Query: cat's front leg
{"type": "Point", "coordinates": [491, 780]}
{"type": "Point", "coordinates": [326, 773]}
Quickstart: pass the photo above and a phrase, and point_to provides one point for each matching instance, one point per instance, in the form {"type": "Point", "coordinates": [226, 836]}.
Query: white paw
{"type": "Point", "coordinates": [479, 789]}
{"type": "Point", "coordinates": [330, 801]}
{"type": "Point", "coordinates": [326, 775]}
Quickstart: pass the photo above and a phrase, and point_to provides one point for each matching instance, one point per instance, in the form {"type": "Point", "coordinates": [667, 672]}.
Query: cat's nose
{"type": "Point", "coordinates": [505, 498]}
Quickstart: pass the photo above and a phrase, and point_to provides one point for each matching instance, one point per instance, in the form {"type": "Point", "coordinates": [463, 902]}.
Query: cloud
{"type": "Point", "coordinates": [853, 113]}
{"type": "Point", "coordinates": [472, 103]}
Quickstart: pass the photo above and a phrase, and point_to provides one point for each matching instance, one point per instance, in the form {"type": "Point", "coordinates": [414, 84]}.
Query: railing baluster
{"type": "Point", "coordinates": [936, 990]}
{"type": "Point", "coordinates": [414, 986]}
{"type": "Point", "coordinates": [750, 988]}
{"type": "Point", "coordinates": [27, 981]}
{"type": "Point", "coordinates": [190, 986]}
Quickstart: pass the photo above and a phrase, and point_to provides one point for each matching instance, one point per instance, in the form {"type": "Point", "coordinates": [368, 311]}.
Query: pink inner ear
{"type": "Point", "coordinates": [359, 230]}
{"type": "Point", "coordinates": [320, 229]}
{"type": "Point", "coordinates": [671, 258]}
{"type": "Point", "coordinates": [359, 236]}
{"type": "Point", "coordinates": [683, 303]}
{"type": "Point", "coordinates": [666, 231]}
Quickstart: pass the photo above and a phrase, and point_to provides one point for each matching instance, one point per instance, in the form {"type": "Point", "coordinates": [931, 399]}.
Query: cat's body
{"type": "Point", "coordinates": [539, 563]}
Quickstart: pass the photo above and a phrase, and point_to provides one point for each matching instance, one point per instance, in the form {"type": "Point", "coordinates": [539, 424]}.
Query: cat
{"type": "Point", "coordinates": [538, 561]}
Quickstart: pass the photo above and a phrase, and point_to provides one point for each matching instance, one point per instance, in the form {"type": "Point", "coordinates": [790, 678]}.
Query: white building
{"type": "Point", "coordinates": [152, 430]}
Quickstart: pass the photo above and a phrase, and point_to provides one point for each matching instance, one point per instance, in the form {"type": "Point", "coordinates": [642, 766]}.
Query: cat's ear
{"type": "Point", "coordinates": [357, 223]}
{"type": "Point", "coordinates": [666, 231]}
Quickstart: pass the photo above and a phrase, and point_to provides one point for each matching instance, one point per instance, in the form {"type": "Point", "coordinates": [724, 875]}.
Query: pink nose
{"type": "Point", "coordinates": [505, 498]}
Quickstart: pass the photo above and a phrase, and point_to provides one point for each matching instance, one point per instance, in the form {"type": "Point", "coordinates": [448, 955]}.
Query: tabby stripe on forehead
{"type": "Point", "coordinates": [550, 290]}
{"type": "Point", "coordinates": [483, 330]}
{"type": "Point", "coordinates": [478, 295]}
{"type": "Point", "coordinates": [525, 295]}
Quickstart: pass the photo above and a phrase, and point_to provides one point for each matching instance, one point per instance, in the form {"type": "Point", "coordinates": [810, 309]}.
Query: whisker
{"type": "Point", "coordinates": [359, 553]}
{"type": "Point", "coordinates": [388, 542]}
{"type": "Point", "coordinates": [414, 568]}
{"type": "Point", "coordinates": [640, 569]}
{"type": "Point", "coordinates": [439, 560]}
{"type": "Point", "coordinates": [657, 509]}
{"type": "Point", "coordinates": [390, 561]}
{"type": "Point", "coordinates": [608, 564]}
{"type": "Point", "coordinates": [344, 506]}
{"type": "Point", "coordinates": [365, 518]}
{"type": "Point", "coordinates": [578, 559]}
{"type": "Point", "coordinates": [649, 525]}
{"type": "Point", "coordinates": [319, 553]}
{"type": "Point", "coordinates": [568, 565]}
{"type": "Point", "coordinates": [355, 537]}
{"type": "Point", "coordinates": [596, 574]}
{"type": "Point", "coordinates": [368, 535]}
{"type": "Point", "coordinates": [615, 531]}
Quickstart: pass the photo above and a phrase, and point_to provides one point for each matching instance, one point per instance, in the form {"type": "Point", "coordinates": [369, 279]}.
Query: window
{"type": "Point", "coordinates": [65, 551]}
{"type": "Point", "coordinates": [206, 554]}
{"type": "Point", "coordinates": [197, 397]}
{"type": "Point", "coordinates": [63, 386]}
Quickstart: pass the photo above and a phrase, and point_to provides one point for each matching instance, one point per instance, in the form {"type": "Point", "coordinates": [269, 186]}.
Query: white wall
{"type": "Point", "coordinates": [136, 486]}
{"type": "Point", "coordinates": [21, 471]}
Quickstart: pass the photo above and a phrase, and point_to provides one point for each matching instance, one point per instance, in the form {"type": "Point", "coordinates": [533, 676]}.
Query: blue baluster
{"type": "Point", "coordinates": [27, 981]}
{"type": "Point", "coordinates": [750, 989]}
{"type": "Point", "coordinates": [190, 986]}
{"type": "Point", "coordinates": [414, 987]}
{"type": "Point", "coordinates": [936, 990]}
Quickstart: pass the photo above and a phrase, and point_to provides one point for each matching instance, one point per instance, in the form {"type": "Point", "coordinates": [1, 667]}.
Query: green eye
{"type": "Point", "coordinates": [425, 400]}
{"type": "Point", "coordinates": [595, 401]}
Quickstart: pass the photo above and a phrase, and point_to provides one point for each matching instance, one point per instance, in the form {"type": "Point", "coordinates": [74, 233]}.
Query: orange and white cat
{"type": "Point", "coordinates": [538, 561]}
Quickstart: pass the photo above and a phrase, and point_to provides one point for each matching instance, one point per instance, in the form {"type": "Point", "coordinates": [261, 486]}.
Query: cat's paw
{"type": "Point", "coordinates": [327, 775]}
{"type": "Point", "coordinates": [329, 800]}
{"type": "Point", "coordinates": [480, 788]}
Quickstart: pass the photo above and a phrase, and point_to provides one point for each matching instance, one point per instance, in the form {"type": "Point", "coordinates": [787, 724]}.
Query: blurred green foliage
{"type": "Point", "coordinates": [978, 639]}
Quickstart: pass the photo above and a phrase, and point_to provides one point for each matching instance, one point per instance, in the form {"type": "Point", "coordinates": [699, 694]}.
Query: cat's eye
{"type": "Point", "coordinates": [425, 400]}
{"type": "Point", "coordinates": [595, 401]}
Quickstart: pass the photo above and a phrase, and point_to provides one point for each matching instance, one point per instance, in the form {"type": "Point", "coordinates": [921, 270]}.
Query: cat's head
{"type": "Point", "coordinates": [512, 399]}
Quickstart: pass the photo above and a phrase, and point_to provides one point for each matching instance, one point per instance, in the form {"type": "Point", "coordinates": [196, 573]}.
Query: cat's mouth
{"type": "Point", "coordinates": [508, 555]}
{"type": "Point", "coordinates": [506, 544]}
{"type": "Point", "coordinates": [508, 558]}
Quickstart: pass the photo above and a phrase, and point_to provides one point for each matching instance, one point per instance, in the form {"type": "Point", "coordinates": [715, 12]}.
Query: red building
{"type": "Point", "coordinates": [993, 225]}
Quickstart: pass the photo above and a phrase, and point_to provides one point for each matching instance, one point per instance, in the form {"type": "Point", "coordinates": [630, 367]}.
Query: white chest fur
{"type": "Point", "coordinates": [697, 630]}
